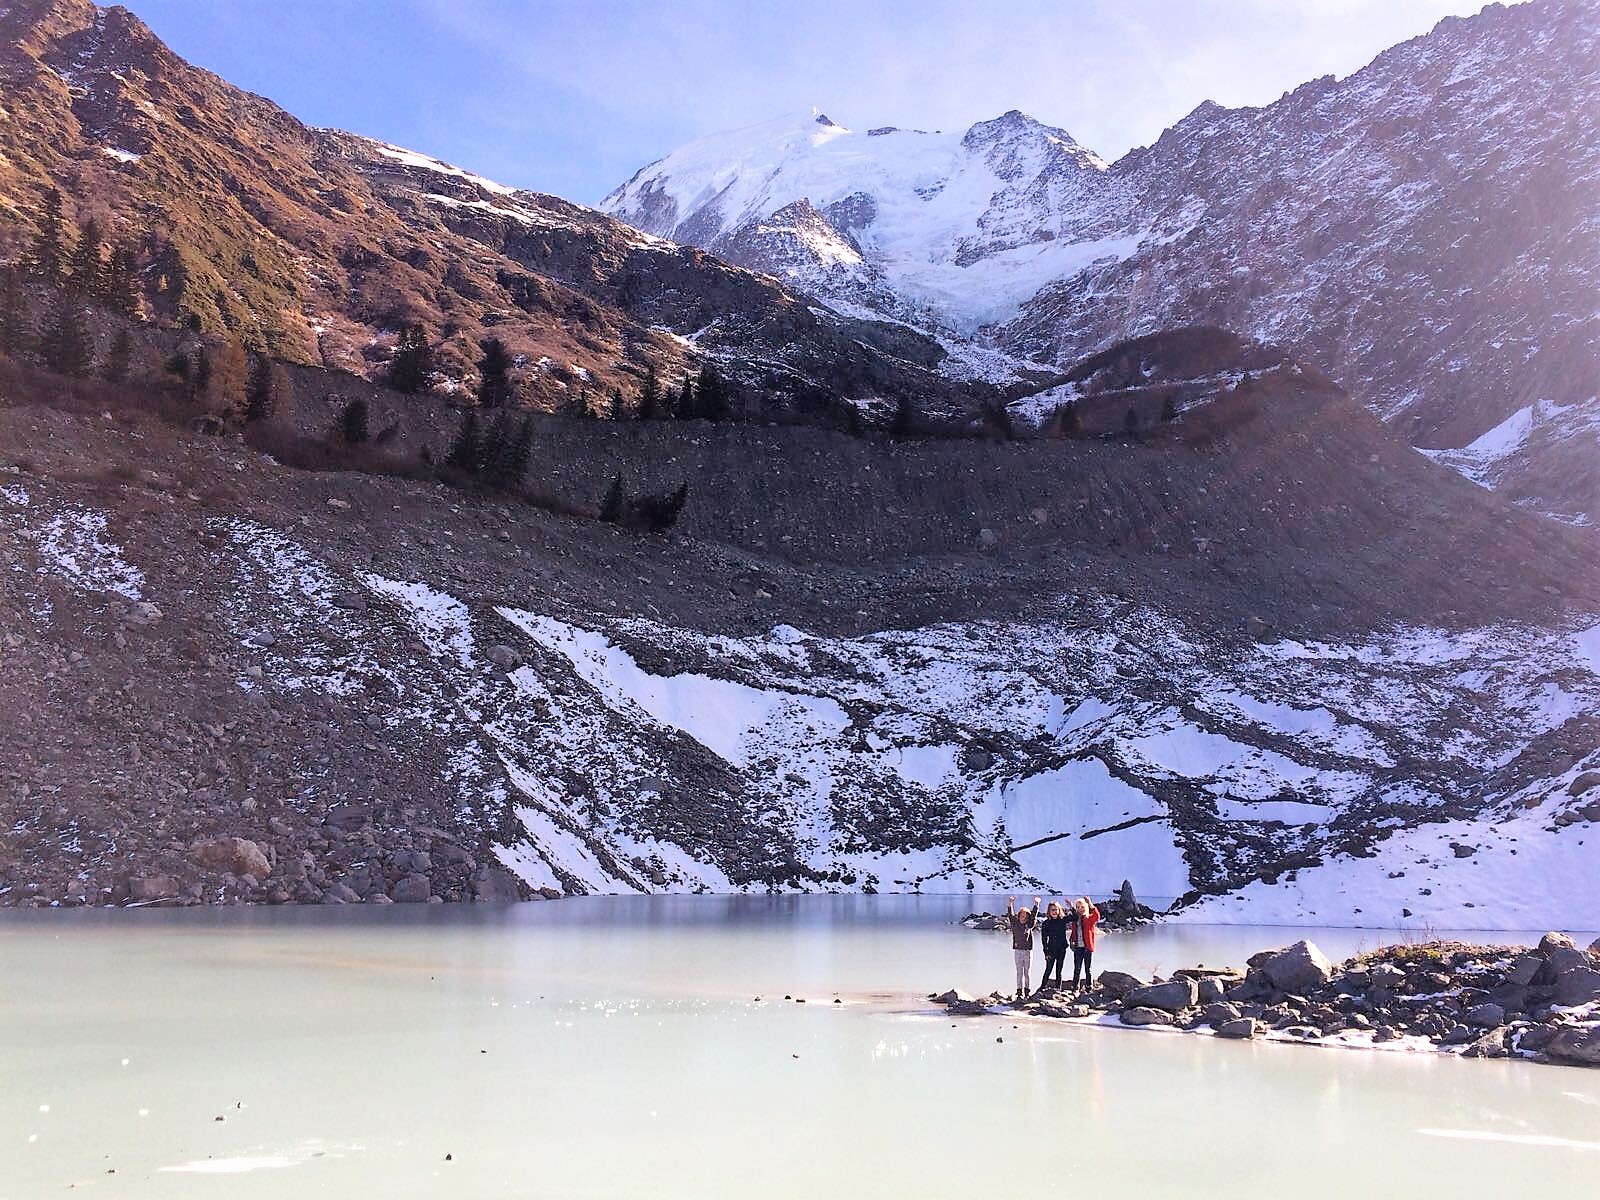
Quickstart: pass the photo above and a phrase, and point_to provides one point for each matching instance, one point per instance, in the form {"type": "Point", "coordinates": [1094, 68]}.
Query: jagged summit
{"type": "Point", "coordinates": [956, 230]}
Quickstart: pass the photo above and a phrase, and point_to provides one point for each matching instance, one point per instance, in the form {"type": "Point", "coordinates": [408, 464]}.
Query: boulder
{"type": "Point", "coordinates": [492, 885]}
{"type": "Point", "coordinates": [1300, 968]}
{"type": "Point", "coordinates": [1554, 941]}
{"type": "Point", "coordinates": [1563, 959]}
{"type": "Point", "coordinates": [413, 889]}
{"type": "Point", "coordinates": [1239, 1027]}
{"type": "Point", "coordinates": [1536, 1037]}
{"type": "Point", "coordinates": [411, 862]}
{"type": "Point", "coordinates": [1578, 986]}
{"type": "Point", "coordinates": [152, 887]}
{"type": "Point", "coordinates": [1594, 947]}
{"type": "Point", "coordinates": [350, 601]}
{"type": "Point", "coordinates": [339, 893]}
{"type": "Point", "coordinates": [1118, 983]}
{"type": "Point", "coordinates": [967, 1008]}
{"type": "Point", "coordinates": [1523, 968]}
{"type": "Point", "coordinates": [1575, 1045]}
{"type": "Point", "coordinates": [1510, 996]}
{"type": "Point", "coordinates": [1172, 996]}
{"type": "Point", "coordinates": [1250, 988]}
{"type": "Point", "coordinates": [1387, 975]}
{"type": "Point", "coordinates": [504, 657]}
{"type": "Point", "coordinates": [451, 855]}
{"type": "Point", "coordinates": [1219, 1013]}
{"type": "Point", "coordinates": [1486, 1016]}
{"type": "Point", "coordinates": [1354, 981]}
{"type": "Point", "coordinates": [955, 996]}
{"type": "Point", "coordinates": [1145, 1016]}
{"type": "Point", "coordinates": [233, 855]}
{"type": "Point", "coordinates": [1208, 991]}
{"type": "Point", "coordinates": [1583, 783]}
{"type": "Point", "coordinates": [1490, 1045]}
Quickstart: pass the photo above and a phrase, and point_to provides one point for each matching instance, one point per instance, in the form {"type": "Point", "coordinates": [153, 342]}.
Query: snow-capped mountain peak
{"type": "Point", "coordinates": [954, 230]}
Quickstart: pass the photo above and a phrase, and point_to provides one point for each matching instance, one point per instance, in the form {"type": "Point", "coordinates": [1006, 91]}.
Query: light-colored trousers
{"type": "Point", "coordinates": [1024, 969]}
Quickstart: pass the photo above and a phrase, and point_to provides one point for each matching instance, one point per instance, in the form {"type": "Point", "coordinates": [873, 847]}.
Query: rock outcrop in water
{"type": "Point", "coordinates": [1121, 911]}
{"type": "Point", "coordinates": [1541, 1004]}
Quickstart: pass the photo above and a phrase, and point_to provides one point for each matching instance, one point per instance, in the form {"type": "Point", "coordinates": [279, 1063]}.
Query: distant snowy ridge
{"type": "Point", "coordinates": [957, 230]}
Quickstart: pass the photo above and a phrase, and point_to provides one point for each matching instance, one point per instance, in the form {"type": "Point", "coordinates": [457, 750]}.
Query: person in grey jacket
{"type": "Point", "coordinates": [1021, 925]}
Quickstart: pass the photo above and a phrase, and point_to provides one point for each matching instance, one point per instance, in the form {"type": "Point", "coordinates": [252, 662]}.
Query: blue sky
{"type": "Point", "coordinates": [572, 96]}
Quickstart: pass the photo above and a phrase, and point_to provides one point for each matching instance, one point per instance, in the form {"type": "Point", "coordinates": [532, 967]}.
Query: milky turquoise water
{"type": "Point", "coordinates": [617, 1048]}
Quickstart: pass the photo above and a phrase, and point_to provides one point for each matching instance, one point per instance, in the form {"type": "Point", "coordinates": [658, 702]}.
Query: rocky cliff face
{"type": "Point", "coordinates": [321, 245]}
{"type": "Point", "coordinates": [1428, 230]}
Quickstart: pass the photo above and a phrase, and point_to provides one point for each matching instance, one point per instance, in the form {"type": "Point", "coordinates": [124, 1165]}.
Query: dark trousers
{"type": "Point", "coordinates": [1081, 958]}
{"type": "Point", "coordinates": [1053, 962]}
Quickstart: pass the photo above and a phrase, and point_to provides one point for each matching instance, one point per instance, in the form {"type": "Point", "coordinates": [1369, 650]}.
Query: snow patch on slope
{"type": "Point", "coordinates": [75, 546]}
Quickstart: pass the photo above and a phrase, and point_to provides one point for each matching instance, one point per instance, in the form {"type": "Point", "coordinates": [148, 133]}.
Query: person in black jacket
{"type": "Point", "coordinates": [1053, 936]}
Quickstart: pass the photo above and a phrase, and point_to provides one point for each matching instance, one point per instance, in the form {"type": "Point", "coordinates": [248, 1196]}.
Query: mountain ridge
{"type": "Point", "coordinates": [319, 246]}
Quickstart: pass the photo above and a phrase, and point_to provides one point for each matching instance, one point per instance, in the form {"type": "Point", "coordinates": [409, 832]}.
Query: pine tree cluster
{"type": "Point", "coordinates": [496, 455]}
{"type": "Point", "coordinates": [702, 397]}
{"type": "Point", "coordinates": [102, 274]}
{"type": "Point", "coordinates": [655, 513]}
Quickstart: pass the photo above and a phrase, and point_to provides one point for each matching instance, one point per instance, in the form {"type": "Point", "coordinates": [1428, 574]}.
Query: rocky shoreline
{"type": "Point", "coordinates": [1540, 1004]}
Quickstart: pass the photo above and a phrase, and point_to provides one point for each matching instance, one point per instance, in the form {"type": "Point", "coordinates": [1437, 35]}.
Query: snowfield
{"type": "Point", "coordinates": [989, 755]}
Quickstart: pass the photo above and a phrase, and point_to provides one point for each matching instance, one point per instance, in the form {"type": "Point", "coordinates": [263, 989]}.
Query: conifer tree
{"type": "Point", "coordinates": [712, 394]}
{"type": "Point", "coordinates": [619, 409]}
{"type": "Point", "coordinates": [16, 325]}
{"type": "Point", "coordinates": [50, 243]}
{"type": "Point", "coordinates": [686, 408]}
{"type": "Point", "coordinates": [521, 453]}
{"type": "Point", "coordinates": [611, 506]}
{"type": "Point", "coordinates": [122, 291]}
{"type": "Point", "coordinates": [87, 273]}
{"type": "Point", "coordinates": [495, 452]}
{"type": "Point", "coordinates": [494, 375]}
{"type": "Point", "coordinates": [65, 347]}
{"type": "Point", "coordinates": [412, 364]}
{"type": "Point", "coordinates": [1169, 409]}
{"type": "Point", "coordinates": [650, 396]}
{"type": "Point", "coordinates": [119, 359]}
{"type": "Point", "coordinates": [660, 513]}
{"type": "Point", "coordinates": [467, 447]}
{"type": "Point", "coordinates": [353, 423]}
{"type": "Point", "coordinates": [1130, 423]}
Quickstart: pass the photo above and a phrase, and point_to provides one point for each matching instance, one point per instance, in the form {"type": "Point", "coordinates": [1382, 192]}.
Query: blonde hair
{"type": "Point", "coordinates": [1055, 910]}
{"type": "Point", "coordinates": [1082, 904]}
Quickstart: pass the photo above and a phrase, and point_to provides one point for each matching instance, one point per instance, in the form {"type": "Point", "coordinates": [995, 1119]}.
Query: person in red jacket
{"type": "Point", "coordinates": [1085, 933]}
